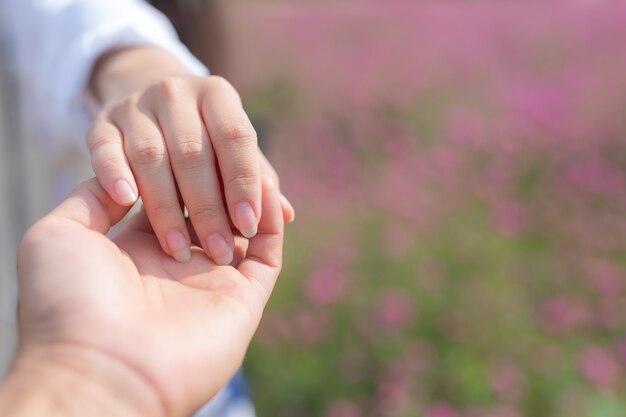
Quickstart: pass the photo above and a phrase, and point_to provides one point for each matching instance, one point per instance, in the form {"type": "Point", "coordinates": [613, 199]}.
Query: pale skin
{"type": "Point", "coordinates": [117, 327]}
{"type": "Point", "coordinates": [178, 140]}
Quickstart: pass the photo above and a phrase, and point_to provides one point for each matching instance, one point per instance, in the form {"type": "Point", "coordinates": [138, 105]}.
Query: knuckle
{"type": "Point", "coordinates": [131, 102]}
{"type": "Point", "coordinates": [244, 178]}
{"type": "Point", "coordinates": [148, 153]}
{"type": "Point", "coordinates": [219, 82]}
{"type": "Point", "coordinates": [237, 132]}
{"type": "Point", "coordinates": [220, 85]}
{"type": "Point", "coordinates": [95, 141]}
{"type": "Point", "coordinates": [189, 147]}
{"type": "Point", "coordinates": [171, 88]}
{"type": "Point", "coordinates": [166, 209]}
{"type": "Point", "coordinates": [205, 211]}
{"type": "Point", "coordinates": [129, 105]}
{"type": "Point", "coordinates": [106, 164]}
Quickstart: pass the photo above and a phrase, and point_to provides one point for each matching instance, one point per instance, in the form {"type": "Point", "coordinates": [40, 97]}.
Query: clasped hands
{"type": "Point", "coordinates": [156, 320]}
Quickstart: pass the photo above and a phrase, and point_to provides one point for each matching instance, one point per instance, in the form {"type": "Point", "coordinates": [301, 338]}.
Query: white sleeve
{"type": "Point", "coordinates": [53, 45]}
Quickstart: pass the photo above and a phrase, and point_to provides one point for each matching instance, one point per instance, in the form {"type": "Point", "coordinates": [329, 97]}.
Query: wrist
{"type": "Point", "coordinates": [67, 381]}
{"type": "Point", "coordinates": [121, 72]}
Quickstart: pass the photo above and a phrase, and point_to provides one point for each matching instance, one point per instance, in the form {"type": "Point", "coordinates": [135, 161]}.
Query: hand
{"type": "Point", "coordinates": [156, 335]}
{"type": "Point", "coordinates": [168, 136]}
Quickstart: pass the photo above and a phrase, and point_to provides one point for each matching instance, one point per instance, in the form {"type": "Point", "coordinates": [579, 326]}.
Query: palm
{"type": "Point", "coordinates": [174, 323]}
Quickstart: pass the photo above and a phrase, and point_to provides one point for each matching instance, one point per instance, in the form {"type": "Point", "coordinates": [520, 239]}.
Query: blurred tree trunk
{"type": "Point", "coordinates": [200, 26]}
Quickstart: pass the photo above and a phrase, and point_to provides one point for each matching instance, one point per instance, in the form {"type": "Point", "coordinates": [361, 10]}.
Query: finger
{"type": "Point", "coordinates": [193, 163]}
{"type": "Point", "coordinates": [104, 141]}
{"type": "Point", "coordinates": [235, 143]}
{"type": "Point", "coordinates": [150, 163]}
{"type": "Point", "coordinates": [263, 259]}
{"type": "Point", "coordinates": [195, 240]}
{"type": "Point", "coordinates": [90, 206]}
{"type": "Point", "coordinates": [289, 214]}
{"type": "Point", "coordinates": [241, 246]}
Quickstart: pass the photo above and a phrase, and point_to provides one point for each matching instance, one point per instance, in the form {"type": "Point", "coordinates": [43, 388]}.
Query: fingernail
{"type": "Point", "coordinates": [246, 219]}
{"type": "Point", "coordinates": [125, 192]}
{"type": "Point", "coordinates": [220, 251]}
{"type": "Point", "coordinates": [178, 246]}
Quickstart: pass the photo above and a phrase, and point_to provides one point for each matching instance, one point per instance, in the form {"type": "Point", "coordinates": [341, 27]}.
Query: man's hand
{"type": "Point", "coordinates": [124, 324]}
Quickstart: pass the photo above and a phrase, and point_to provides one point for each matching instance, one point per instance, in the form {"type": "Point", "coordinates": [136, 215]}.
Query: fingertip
{"type": "Point", "coordinates": [219, 250]}
{"type": "Point", "coordinates": [124, 194]}
{"type": "Point", "coordinates": [247, 220]}
{"type": "Point", "coordinates": [264, 254]}
{"type": "Point", "coordinates": [289, 212]}
{"type": "Point", "coordinates": [102, 210]}
{"type": "Point", "coordinates": [178, 246]}
{"type": "Point", "coordinates": [272, 207]}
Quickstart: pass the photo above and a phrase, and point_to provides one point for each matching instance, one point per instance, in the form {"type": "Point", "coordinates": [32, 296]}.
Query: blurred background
{"type": "Point", "coordinates": [459, 175]}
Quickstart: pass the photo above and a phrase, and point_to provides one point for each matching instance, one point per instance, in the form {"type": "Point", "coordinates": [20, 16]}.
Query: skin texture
{"type": "Point", "coordinates": [117, 327]}
{"type": "Point", "coordinates": [170, 137]}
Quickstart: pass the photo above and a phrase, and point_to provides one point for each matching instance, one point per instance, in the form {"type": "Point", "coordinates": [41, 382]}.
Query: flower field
{"type": "Point", "coordinates": [459, 175]}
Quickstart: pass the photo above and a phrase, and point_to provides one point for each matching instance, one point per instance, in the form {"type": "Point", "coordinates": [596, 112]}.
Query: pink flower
{"type": "Point", "coordinates": [607, 277]}
{"type": "Point", "coordinates": [325, 285]}
{"type": "Point", "coordinates": [600, 366]}
{"type": "Point", "coordinates": [464, 126]}
{"type": "Point", "coordinates": [395, 394]}
{"type": "Point", "coordinates": [510, 218]}
{"type": "Point", "coordinates": [559, 314]}
{"type": "Point", "coordinates": [395, 309]}
{"type": "Point", "coordinates": [313, 328]}
{"type": "Point", "coordinates": [507, 382]}
{"type": "Point", "coordinates": [541, 105]}
{"type": "Point", "coordinates": [596, 175]}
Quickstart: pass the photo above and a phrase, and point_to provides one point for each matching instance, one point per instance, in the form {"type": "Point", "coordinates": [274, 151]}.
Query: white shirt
{"type": "Point", "coordinates": [53, 45]}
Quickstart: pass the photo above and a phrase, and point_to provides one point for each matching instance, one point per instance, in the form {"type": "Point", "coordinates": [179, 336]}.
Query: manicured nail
{"type": "Point", "coordinates": [178, 246]}
{"type": "Point", "coordinates": [221, 253]}
{"type": "Point", "coordinates": [246, 219]}
{"type": "Point", "coordinates": [125, 192]}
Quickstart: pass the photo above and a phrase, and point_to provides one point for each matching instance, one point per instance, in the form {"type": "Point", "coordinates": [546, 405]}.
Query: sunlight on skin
{"type": "Point", "coordinates": [149, 334]}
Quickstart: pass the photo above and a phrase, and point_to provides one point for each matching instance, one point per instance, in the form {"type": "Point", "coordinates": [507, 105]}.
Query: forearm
{"type": "Point", "coordinates": [120, 72]}
{"type": "Point", "coordinates": [45, 384]}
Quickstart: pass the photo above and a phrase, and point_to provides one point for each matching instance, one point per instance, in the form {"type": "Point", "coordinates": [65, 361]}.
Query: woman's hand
{"type": "Point", "coordinates": [175, 140]}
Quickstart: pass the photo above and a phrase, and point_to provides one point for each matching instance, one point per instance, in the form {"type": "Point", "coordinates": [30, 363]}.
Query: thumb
{"type": "Point", "coordinates": [90, 206]}
{"type": "Point", "coordinates": [264, 256]}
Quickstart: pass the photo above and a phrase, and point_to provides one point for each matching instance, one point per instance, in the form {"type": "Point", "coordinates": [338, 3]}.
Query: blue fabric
{"type": "Point", "coordinates": [233, 401]}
